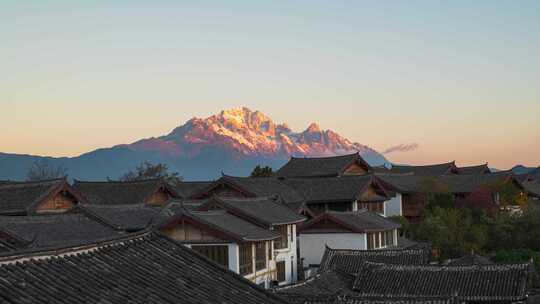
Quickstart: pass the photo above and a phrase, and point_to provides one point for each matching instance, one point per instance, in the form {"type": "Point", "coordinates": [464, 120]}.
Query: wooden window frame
{"type": "Point", "coordinates": [281, 271]}
{"type": "Point", "coordinates": [371, 241]}
{"type": "Point", "coordinates": [245, 251]}
{"type": "Point", "coordinates": [219, 254]}
{"type": "Point", "coordinates": [283, 241]}
{"type": "Point", "coordinates": [260, 256]}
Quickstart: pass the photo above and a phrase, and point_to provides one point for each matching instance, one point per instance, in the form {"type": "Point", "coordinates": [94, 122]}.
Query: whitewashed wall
{"type": "Point", "coordinates": [312, 246]}
{"type": "Point", "coordinates": [289, 255]}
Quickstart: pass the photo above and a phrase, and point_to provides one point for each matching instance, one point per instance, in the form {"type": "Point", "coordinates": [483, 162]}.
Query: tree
{"type": "Point", "coordinates": [259, 171]}
{"type": "Point", "coordinates": [436, 193]}
{"type": "Point", "coordinates": [508, 193]}
{"type": "Point", "coordinates": [453, 231]}
{"type": "Point", "coordinates": [147, 170]}
{"type": "Point", "coordinates": [510, 256]}
{"type": "Point", "coordinates": [42, 170]}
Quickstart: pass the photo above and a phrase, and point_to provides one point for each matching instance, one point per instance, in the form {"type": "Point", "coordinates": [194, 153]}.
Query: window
{"type": "Point", "coordinates": [280, 266]}
{"type": "Point", "coordinates": [377, 207]}
{"type": "Point", "coordinates": [343, 207]}
{"type": "Point", "coordinates": [218, 254]}
{"type": "Point", "coordinates": [383, 239]}
{"type": "Point", "coordinates": [246, 259]}
{"type": "Point", "coordinates": [390, 238]}
{"type": "Point", "coordinates": [371, 240]}
{"type": "Point", "coordinates": [260, 256]}
{"type": "Point", "coordinates": [283, 241]}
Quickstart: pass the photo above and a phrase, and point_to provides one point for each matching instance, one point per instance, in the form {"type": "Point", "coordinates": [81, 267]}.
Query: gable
{"type": "Point", "coordinates": [159, 197]}
{"type": "Point", "coordinates": [224, 190]}
{"type": "Point", "coordinates": [325, 225]}
{"type": "Point", "coordinates": [190, 231]}
{"type": "Point", "coordinates": [372, 193]}
{"type": "Point", "coordinates": [60, 202]}
{"type": "Point", "coordinates": [211, 205]}
{"type": "Point", "coordinates": [355, 169]}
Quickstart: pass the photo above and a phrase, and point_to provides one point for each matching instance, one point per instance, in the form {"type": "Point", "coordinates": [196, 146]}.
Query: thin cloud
{"type": "Point", "coordinates": [401, 148]}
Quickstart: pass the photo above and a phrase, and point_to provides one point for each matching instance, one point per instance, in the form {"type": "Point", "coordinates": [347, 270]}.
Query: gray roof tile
{"type": "Point", "coordinates": [319, 166]}
{"type": "Point", "coordinates": [140, 269]}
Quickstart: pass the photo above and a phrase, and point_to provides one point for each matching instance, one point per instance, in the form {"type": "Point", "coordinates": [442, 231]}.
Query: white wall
{"type": "Point", "coordinates": [393, 206]}
{"type": "Point", "coordinates": [234, 258]}
{"type": "Point", "coordinates": [289, 255]}
{"type": "Point", "coordinates": [312, 245]}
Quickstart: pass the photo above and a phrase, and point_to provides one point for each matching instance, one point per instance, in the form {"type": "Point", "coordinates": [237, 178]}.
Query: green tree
{"type": "Point", "coordinates": [511, 256]}
{"type": "Point", "coordinates": [453, 231]}
{"type": "Point", "coordinates": [436, 193]}
{"type": "Point", "coordinates": [508, 193]}
{"type": "Point", "coordinates": [259, 171]}
{"type": "Point", "coordinates": [147, 170]}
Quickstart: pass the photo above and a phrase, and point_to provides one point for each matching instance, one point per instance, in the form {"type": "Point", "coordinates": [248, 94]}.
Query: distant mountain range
{"type": "Point", "coordinates": [233, 142]}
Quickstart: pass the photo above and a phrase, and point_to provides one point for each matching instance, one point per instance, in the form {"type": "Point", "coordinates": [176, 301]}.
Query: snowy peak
{"type": "Point", "coordinates": [313, 128]}
{"type": "Point", "coordinates": [245, 133]}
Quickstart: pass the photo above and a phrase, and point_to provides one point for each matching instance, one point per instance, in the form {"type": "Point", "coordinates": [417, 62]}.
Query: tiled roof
{"type": "Point", "coordinates": [406, 243]}
{"type": "Point", "coordinates": [188, 189]}
{"type": "Point", "coordinates": [365, 300]}
{"type": "Point", "coordinates": [124, 217]}
{"type": "Point", "coordinates": [232, 226]}
{"type": "Point", "coordinates": [262, 210]}
{"type": "Point", "coordinates": [324, 284]}
{"type": "Point", "coordinates": [43, 231]}
{"type": "Point", "coordinates": [319, 166]}
{"type": "Point", "coordinates": [468, 183]}
{"type": "Point", "coordinates": [426, 170]}
{"type": "Point", "coordinates": [335, 287]}
{"type": "Point", "coordinates": [190, 204]}
{"type": "Point", "coordinates": [480, 169]}
{"type": "Point", "coordinates": [119, 193]}
{"type": "Point", "coordinates": [350, 261]}
{"type": "Point", "coordinates": [295, 206]}
{"type": "Point", "coordinates": [451, 183]}
{"type": "Point", "coordinates": [143, 269]}
{"type": "Point", "coordinates": [360, 221]}
{"type": "Point", "coordinates": [471, 259]}
{"type": "Point", "coordinates": [265, 186]}
{"type": "Point", "coordinates": [532, 187]}
{"type": "Point", "coordinates": [330, 189]}
{"type": "Point", "coordinates": [21, 197]}
{"type": "Point", "coordinates": [10, 242]}
{"type": "Point", "coordinates": [486, 283]}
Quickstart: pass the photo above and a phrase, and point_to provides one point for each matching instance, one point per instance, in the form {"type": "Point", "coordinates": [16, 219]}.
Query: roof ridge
{"type": "Point", "coordinates": [16, 183]}
{"type": "Point", "coordinates": [55, 251]}
{"type": "Point", "coordinates": [195, 182]}
{"type": "Point", "coordinates": [246, 199]}
{"type": "Point", "coordinates": [118, 182]}
{"type": "Point", "coordinates": [430, 267]}
{"type": "Point", "coordinates": [326, 157]}
{"type": "Point", "coordinates": [430, 165]}
{"type": "Point", "coordinates": [383, 250]}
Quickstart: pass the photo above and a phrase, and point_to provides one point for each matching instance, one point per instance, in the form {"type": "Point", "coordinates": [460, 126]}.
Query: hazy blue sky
{"type": "Point", "coordinates": [460, 78]}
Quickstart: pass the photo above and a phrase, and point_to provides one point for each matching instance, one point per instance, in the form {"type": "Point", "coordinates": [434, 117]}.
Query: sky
{"type": "Point", "coordinates": [454, 80]}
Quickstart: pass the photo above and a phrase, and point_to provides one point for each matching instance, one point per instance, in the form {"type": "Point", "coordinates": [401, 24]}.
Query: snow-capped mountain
{"type": "Point", "coordinates": [251, 133]}
{"type": "Point", "coordinates": [232, 142]}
